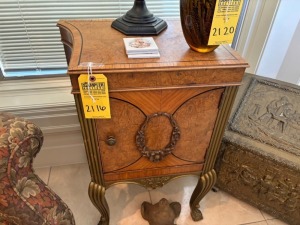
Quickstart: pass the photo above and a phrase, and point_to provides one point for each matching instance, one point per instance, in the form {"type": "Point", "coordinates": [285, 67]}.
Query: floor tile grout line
{"type": "Point", "coordinates": [263, 214]}
{"type": "Point", "coordinates": [254, 222]}
{"type": "Point", "coordinates": [152, 198]}
{"type": "Point", "coordinates": [275, 219]}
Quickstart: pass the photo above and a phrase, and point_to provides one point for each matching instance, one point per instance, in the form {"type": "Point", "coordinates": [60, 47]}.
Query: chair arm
{"type": "Point", "coordinates": [25, 194]}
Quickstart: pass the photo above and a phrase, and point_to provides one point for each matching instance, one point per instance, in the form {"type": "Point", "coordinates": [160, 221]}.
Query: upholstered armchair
{"type": "Point", "coordinates": [24, 198]}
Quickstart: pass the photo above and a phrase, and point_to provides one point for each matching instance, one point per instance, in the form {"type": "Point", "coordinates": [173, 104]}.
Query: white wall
{"type": "Point", "coordinates": [255, 30]}
{"type": "Point", "coordinates": [290, 68]}
{"type": "Point", "coordinates": [281, 44]}
{"type": "Point", "coordinates": [48, 103]}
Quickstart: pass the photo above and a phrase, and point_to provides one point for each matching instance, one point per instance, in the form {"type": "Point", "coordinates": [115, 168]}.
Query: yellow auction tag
{"type": "Point", "coordinates": [226, 15]}
{"type": "Point", "coordinates": [94, 95]}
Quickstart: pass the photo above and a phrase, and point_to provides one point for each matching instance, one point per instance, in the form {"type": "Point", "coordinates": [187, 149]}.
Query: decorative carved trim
{"type": "Point", "coordinates": [261, 181]}
{"type": "Point", "coordinates": [157, 155]}
{"type": "Point", "coordinates": [154, 182]}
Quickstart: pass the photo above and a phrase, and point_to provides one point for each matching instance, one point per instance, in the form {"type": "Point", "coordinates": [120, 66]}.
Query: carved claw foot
{"type": "Point", "coordinates": [161, 213]}
{"type": "Point", "coordinates": [196, 214]}
{"type": "Point", "coordinates": [102, 221]}
{"type": "Point", "coordinates": [215, 189]}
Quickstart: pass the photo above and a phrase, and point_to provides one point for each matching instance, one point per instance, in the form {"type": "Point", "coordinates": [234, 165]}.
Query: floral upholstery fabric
{"type": "Point", "coordinates": [24, 198]}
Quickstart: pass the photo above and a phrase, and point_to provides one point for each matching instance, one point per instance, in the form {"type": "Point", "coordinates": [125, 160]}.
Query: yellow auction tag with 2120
{"type": "Point", "coordinates": [226, 16]}
{"type": "Point", "coordinates": [94, 95]}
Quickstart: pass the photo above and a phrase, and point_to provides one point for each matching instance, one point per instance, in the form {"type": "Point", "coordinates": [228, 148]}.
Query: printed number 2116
{"type": "Point", "coordinates": [92, 108]}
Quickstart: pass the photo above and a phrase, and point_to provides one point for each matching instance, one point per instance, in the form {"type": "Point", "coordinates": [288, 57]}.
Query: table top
{"type": "Point", "coordinates": [97, 42]}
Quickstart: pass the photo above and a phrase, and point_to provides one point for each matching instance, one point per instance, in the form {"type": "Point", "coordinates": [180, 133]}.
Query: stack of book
{"type": "Point", "coordinates": [141, 47]}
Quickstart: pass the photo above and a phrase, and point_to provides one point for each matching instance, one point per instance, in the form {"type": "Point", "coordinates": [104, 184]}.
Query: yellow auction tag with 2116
{"type": "Point", "coordinates": [94, 95]}
{"type": "Point", "coordinates": [226, 15]}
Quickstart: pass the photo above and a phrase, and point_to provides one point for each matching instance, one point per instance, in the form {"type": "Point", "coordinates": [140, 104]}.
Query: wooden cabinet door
{"type": "Point", "coordinates": [160, 117]}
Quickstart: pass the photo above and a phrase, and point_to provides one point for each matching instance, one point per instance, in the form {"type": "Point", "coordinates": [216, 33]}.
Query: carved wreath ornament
{"type": "Point", "coordinates": [157, 155]}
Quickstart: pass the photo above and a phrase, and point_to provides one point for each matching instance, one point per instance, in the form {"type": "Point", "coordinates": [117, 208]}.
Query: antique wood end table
{"type": "Point", "coordinates": [167, 114]}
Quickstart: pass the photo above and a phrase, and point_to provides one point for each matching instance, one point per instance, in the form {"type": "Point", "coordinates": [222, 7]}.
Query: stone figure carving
{"type": "Point", "coordinates": [280, 114]}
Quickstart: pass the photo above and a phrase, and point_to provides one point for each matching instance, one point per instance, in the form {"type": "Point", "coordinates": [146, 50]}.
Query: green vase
{"type": "Point", "coordinates": [196, 20]}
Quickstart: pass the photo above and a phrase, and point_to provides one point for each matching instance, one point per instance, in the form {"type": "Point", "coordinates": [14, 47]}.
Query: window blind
{"type": "Point", "coordinates": [30, 41]}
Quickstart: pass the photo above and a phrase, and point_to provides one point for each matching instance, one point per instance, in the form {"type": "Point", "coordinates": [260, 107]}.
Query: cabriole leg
{"type": "Point", "coordinates": [204, 185]}
{"type": "Point", "coordinates": [97, 196]}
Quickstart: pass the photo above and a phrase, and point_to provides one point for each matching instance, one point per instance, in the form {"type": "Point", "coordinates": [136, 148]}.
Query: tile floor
{"type": "Point", "coordinates": [70, 182]}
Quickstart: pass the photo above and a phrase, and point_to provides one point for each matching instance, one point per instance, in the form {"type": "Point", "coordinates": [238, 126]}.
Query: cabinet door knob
{"type": "Point", "coordinates": [111, 141]}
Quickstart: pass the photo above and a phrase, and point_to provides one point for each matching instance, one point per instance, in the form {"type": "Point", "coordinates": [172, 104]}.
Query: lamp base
{"type": "Point", "coordinates": [139, 29]}
{"type": "Point", "coordinates": [139, 21]}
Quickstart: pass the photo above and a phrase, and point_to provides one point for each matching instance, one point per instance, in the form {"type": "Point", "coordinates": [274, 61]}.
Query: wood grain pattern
{"type": "Point", "coordinates": [168, 80]}
{"type": "Point", "coordinates": [152, 101]}
{"type": "Point", "coordinates": [158, 133]}
{"type": "Point", "coordinates": [196, 118]}
{"type": "Point", "coordinates": [126, 120]}
{"type": "Point", "coordinates": [134, 174]}
{"type": "Point", "coordinates": [194, 110]}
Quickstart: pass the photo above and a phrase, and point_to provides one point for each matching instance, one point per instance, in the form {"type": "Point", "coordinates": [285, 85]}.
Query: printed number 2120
{"type": "Point", "coordinates": [226, 31]}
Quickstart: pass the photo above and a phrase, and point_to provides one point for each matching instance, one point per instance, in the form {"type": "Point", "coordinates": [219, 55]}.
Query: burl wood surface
{"type": "Point", "coordinates": [158, 133]}
{"type": "Point", "coordinates": [126, 121]}
{"type": "Point", "coordinates": [94, 40]}
{"type": "Point", "coordinates": [196, 118]}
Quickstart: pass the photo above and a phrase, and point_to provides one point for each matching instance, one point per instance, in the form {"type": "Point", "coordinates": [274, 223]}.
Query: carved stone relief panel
{"type": "Point", "coordinates": [270, 113]}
